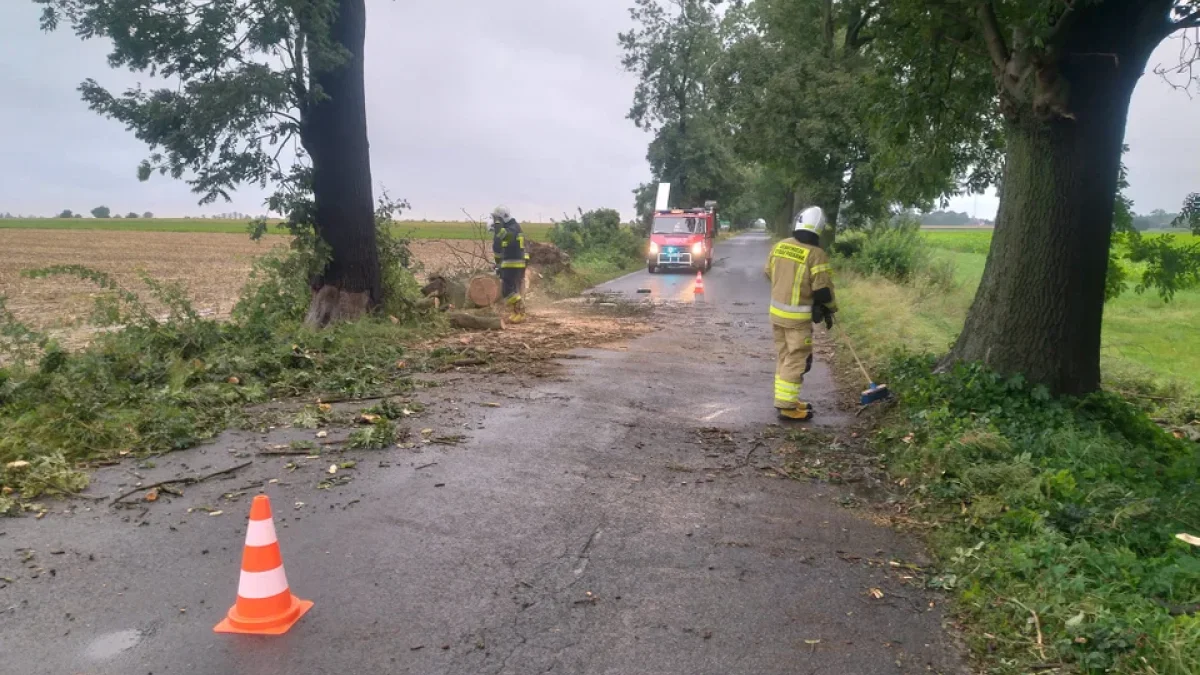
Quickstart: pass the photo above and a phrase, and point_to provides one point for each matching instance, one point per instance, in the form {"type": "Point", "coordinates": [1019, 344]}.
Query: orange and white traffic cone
{"type": "Point", "coordinates": [699, 283]}
{"type": "Point", "coordinates": [265, 605]}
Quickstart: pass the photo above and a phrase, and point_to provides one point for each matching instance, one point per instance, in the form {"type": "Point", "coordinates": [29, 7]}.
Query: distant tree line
{"type": "Point", "coordinates": [951, 218]}
{"type": "Point", "coordinates": [1158, 219]}
{"type": "Point", "coordinates": [103, 212]}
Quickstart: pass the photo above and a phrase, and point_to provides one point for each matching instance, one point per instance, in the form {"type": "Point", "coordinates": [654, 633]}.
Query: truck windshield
{"type": "Point", "coordinates": [678, 225]}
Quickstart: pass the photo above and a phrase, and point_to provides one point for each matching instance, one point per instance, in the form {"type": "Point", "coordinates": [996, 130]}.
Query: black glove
{"type": "Point", "coordinates": [822, 313]}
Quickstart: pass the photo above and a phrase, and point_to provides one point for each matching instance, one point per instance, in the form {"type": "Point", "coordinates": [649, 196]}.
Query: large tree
{"type": "Point", "coordinates": [797, 80]}
{"type": "Point", "coordinates": [673, 50]}
{"type": "Point", "coordinates": [244, 80]}
{"type": "Point", "coordinates": [1060, 75]}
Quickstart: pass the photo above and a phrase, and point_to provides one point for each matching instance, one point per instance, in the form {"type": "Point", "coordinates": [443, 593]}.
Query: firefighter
{"type": "Point", "coordinates": [801, 295]}
{"type": "Point", "coordinates": [508, 245]}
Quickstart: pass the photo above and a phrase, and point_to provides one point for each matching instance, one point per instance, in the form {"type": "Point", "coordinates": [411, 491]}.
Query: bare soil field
{"type": "Point", "coordinates": [214, 267]}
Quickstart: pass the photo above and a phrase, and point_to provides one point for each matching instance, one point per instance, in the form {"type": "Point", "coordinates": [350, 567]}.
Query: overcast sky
{"type": "Point", "coordinates": [471, 103]}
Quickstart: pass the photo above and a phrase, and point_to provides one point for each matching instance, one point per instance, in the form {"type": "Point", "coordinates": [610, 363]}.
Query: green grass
{"type": "Point", "coordinates": [588, 271]}
{"type": "Point", "coordinates": [415, 229]}
{"type": "Point", "coordinates": [1142, 336]}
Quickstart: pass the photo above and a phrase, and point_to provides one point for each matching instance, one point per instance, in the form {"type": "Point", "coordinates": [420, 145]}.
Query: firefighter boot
{"type": "Point", "coordinates": [518, 311]}
{"type": "Point", "coordinates": [801, 413]}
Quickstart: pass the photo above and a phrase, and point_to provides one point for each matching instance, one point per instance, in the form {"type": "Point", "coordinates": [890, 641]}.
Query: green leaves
{"type": "Point", "coordinates": [1189, 216]}
{"type": "Point", "coordinates": [240, 74]}
{"type": "Point", "coordinates": [674, 52]}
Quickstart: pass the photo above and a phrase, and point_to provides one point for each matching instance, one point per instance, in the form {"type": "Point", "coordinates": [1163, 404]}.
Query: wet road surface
{"type": "Point", "coordinates": [613, 522]}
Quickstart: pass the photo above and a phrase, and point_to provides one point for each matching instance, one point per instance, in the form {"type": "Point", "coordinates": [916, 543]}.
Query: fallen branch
{"type": "Point", "coordinates": [352, 399]}
{"type": "Point", "coordinates": [746, 459]}
{"type": "Point", "coordinates": [1037, 625]}
{"type": "Point", "coordinates": [785, 472]}
{"type": "Point", "coordinates": [425, 466]}
{"type": "Point", "coordinates": [190, 480]}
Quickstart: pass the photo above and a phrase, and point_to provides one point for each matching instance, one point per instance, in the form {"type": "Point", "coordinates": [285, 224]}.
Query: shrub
{"type": "Point", "coordinates": [897, 253]}
{"type": "Point", "coordinates": [849, 243]}
{"type": "Point", "coordinates": [598, 233]}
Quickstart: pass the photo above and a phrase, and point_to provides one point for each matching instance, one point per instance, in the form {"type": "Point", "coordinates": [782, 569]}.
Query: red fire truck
{"type": "Point", "coordinates": [683, 238]}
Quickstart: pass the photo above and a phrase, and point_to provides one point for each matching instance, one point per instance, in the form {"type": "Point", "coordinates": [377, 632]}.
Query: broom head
{"type": "Point", "coordinates": [875, 392]}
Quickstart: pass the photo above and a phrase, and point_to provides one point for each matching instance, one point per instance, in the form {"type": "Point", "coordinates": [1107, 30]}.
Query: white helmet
{"type": "Point", "coordinates": [811, 219]}
{"type": "Point", "coordinates": [501, 214]}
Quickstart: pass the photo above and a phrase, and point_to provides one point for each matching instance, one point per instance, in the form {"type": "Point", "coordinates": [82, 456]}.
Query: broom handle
{"type": "Point", "coordinates": [855, 354]}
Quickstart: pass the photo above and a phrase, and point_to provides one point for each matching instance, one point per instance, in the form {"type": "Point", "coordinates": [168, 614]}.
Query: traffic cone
{"type": "Point", "coordinates": [265, 605]}
{"type": "Point", "coordinates": [699, 283]}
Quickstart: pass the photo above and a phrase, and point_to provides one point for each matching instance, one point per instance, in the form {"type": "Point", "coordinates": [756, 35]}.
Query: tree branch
{"type": "Point", "coordinates": [1192, 21]}
{"type": "Point", "coordinates": [858, 21]}
{"type": "Point", "coordinates": [997, 49]}
{"type": "Point", "coordinates": [1065, 20]}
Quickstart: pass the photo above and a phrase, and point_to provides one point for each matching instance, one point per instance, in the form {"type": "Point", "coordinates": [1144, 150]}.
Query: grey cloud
{"type": "Point", "coordinates": [470, 103]}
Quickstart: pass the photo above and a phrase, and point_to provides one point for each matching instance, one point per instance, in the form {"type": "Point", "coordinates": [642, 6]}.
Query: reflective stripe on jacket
{"type": "Point", "coordinates": [508, 245]}
{"type": "Point", "coordinates": [796, 270]}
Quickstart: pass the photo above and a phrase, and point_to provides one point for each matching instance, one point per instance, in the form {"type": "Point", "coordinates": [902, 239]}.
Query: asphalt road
{"type": "Point", "coordinates": [616, 521]}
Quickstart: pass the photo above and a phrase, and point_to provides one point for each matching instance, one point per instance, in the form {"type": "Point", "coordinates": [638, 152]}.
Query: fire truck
{"type": "Point", "coordinates": [682, 238]}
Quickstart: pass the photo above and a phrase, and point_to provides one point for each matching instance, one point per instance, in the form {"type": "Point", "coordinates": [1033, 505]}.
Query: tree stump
{"type": "Point", "coordinates": [483, 290]}
{"type": "Point", "coordinates": [331, 305]}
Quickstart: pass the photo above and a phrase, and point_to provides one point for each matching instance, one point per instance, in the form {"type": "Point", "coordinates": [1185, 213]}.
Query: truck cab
{"type": "Point", "coordinates": [682, 238]}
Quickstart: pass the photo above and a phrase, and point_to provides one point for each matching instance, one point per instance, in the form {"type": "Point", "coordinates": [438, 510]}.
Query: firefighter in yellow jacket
{"type": "Point", "coordinates": [801, 295]}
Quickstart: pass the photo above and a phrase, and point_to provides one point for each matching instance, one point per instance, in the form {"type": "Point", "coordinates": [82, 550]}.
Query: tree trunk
{"type": "Point", "coordinates": [1039, 306]}
{"type": "Point", "coordinates": [831, 220]}
{"type": "Point", "coordinates": [335, 136]}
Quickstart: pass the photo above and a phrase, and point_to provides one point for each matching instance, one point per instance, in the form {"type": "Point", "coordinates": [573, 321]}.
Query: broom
{"type": "Point", "coordinates": [873, 392]}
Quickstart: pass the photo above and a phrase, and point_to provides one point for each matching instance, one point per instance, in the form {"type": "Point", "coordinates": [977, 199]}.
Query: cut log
{"type": "Point", "coordinates": [448, 291]}
{"type": "Point", "coordinates": [471, 321]}
{"type": "Point", "coordinates": [483, 290]}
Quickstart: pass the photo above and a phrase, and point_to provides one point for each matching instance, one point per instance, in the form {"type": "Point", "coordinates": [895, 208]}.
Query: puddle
{"type": "Point", "coordinates": [107, 646]}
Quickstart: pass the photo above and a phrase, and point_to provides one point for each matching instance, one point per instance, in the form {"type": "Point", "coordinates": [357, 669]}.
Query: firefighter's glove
{"type": "Point", "coordinates": [822, 313]}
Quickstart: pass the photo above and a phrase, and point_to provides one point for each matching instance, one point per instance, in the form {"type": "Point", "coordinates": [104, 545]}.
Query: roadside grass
{"type": "Point", "coordinates": [413, 229]}
{"type": "Point", "coordinates": [1053, 520]}
{"type": "Point", "coordinates": [589, 270]}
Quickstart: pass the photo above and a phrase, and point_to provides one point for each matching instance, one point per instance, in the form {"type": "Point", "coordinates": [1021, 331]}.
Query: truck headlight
{"type": "Point", "coordinates": [698, 248]}
{"type": "Point", "coordinates": [653, 248]}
